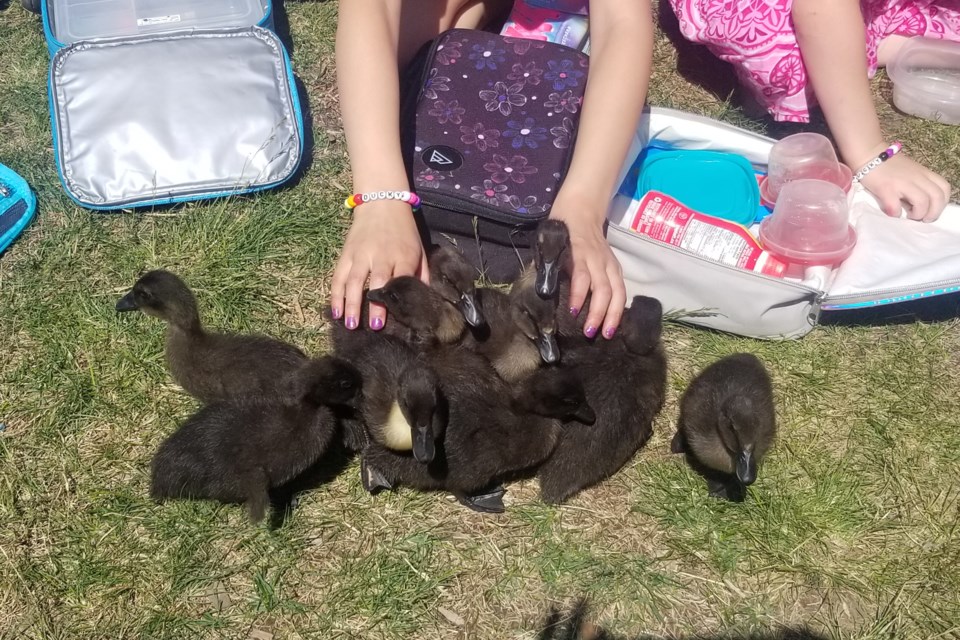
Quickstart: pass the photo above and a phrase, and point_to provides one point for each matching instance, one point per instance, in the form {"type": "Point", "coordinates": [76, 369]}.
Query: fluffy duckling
{"type": "Point", "coordinates": [237, 452]}
{"type": "Point", "coordinates": [425, 313]}
{"type": "Point", "coordinates": [553, 239]}
{"type": "Point", "coordinates": [727, 424]}
{"type": "Point", "coordinates": [401, 408]}
{"type": "Point", "coordinates": [521, 329]}
{"type": "Point", "coordinates": [624, 379]}
{"type": "Point", "coordinates": [455, 280]}
{"type": "Point", "coordinates": [212, 367]}
{"type": "Point", "coordinates": [494, 431]}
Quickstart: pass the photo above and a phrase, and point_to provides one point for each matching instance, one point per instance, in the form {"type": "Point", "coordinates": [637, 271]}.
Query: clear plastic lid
{"type": "Point", "coordinates": [926, 66]}
{"type": "Point", "coordinates": [75, 20]}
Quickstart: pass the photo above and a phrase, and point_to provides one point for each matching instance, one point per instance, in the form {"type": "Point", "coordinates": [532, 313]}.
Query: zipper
{"type": "Point", "coordinates": [891, 296]}
{"type": "Point", "coordinates": [473, 208]}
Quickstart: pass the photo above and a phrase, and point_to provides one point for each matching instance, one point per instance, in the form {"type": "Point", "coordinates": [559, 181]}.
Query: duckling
{"type": "Point", "coordinates": [455, 280]}
{"type": "Point", "coordinates": [521, 334]}
{"type": "Point", "coordinates": [727, 424]}
{"type": "Point", "coordinates": [234, 452]}
{"type": "Point", "coordinates": [624, 379]}
{"type": "Point", "coordinates": [212, 367]}
{"type": "Point", "coordinates": [553, 240]}
{"type": "Point", "coordinates": [494, 431]}
{"type": "Point", "coordinates": [424, 312]}
{"type": "Point", "coordinates": [401, 409]}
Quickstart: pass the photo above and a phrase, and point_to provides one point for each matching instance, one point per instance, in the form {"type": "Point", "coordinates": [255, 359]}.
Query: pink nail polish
{"type": "Point", "coordinates": [591, 332]}
{"type": "Point", "coordinates": [574, 311]}
{"type": "Point", "coordinates": [351, 322]}
{"type": "Point", "coordinates": [336, 313]}
{"type": "Point", "coordinates": [376, 324]}
{"type": "Point", "coordinates": [609, 332]}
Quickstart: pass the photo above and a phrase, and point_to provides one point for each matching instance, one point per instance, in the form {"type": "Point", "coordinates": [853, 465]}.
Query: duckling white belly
{"type": "Point", "coordinates": [395, 431]}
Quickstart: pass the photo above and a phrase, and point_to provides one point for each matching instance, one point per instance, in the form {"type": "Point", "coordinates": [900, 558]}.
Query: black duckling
{"type": "Point", "coordinates": [401, 408]}
{"type": "Point", "coordinates": [727, 424]}
{"type": "Point", "coordinates": [550, 259]}
{"type": "Point", "coordinates": [455, 280]}
{"type": "Point", "coordinates": [494, 431]}
{"type": "Point", "coordinates": [428, 318]}
{"type": "Point", "coordinates": [237, 452]}
{"type": "Point", "coordinates": [521, 329]}
{"type": "Point", "coordinates": [212, 367]}
{"type": "Point", "coordinates": [625, 379]}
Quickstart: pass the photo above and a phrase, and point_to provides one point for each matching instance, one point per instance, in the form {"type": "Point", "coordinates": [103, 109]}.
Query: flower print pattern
{"type": "Point", "coordinates": [521, 45]}
{"type": "Point", "coordinates": [529, 74]}
{"type": "Point", "coordinates": [562, 102]}
{"type": "Point", "coordinates": [527, 206]}
{"type": "Point", "coordinates": [503, 98]}
{"type": "Point", "coordinates": [525, 134]}
{"type": "Point", "coordinates": [430, 178]}
{"type": "Point", "coordinates": [487, 57]}
{"type": "Point", "coordinates": [562, 74]}
{"type": "Point", "coordinates": [448, 52]}
{"type": "Point", "coordinates": [479, 135]}
{"type": "Point", "coordinates": [562, 134]}
{"type": "Point", "coordinates": [446, 112]}
{"type": "Point", "coordinates": [490, 192]}
{"type": "Point", "coordinates": [515, 169]}
{"type": "Point", "coordinates": [435, 83]}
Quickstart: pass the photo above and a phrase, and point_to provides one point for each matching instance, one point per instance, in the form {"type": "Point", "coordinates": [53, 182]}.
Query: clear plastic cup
{"type": "Point", "coordinates": [810, 224]}
{"type": "Point", "coordinates": [799, 157]}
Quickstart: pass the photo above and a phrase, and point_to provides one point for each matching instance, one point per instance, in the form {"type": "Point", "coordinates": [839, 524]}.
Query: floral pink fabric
{"type": "Point", "coordinates": [757, 37]}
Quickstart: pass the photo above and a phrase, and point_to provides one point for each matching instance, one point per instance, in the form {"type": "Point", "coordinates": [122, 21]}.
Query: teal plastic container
{"type": "Point", "coordinates": [723, 185]}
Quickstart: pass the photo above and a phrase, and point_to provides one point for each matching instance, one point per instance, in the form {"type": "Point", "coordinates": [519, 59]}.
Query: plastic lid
{"type": "Point", "coordinates": [928, 66]}
{"type": "Point", "coordinates": [723, 185]}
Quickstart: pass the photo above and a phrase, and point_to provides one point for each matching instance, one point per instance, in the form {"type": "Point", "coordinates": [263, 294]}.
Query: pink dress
{"type": "Point", "coordinates": [757, 37]}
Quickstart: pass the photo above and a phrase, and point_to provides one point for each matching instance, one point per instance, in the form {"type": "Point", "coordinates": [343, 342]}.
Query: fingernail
{"type": "Point", "coordinates": [609, 332]}
{"type": "Point", "coordinates": [376, 324]}
{"type": "Point", "coordinates": [336, 313]}
{"type": "Point", "coordinates": [351, 322]}
{"type": "Point", "coordinates": [574, 311]}
{"type": "Point", "coordinates": [590, 332]}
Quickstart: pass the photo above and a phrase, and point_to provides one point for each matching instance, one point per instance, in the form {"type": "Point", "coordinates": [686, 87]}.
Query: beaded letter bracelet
{"type": "Point", "coordinates": [357, 199]}
{"type": "Point", "coordinates": [892, 150]}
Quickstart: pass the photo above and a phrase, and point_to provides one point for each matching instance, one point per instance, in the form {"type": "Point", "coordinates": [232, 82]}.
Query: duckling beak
{"type": "Point", "coordinates": [746, 468]}
{"type": "Point", "coordinates": [375, 295]}
{"type": "Point", "coordinates": [127, 303]}
{"type": "Point", "coordinates": [547, 278]}
{"type": "Point", "coordinates": [585, 414]}
{"type": "Point", "coordinates": [423, 446]}
{"type": "Point", "coordinates": [549, 351]}
{"type": "Point", "coordinates": [471, 312]}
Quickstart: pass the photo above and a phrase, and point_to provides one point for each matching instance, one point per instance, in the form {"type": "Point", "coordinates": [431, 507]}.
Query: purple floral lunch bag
{"type": "Point", "coordinates": [489, 128]}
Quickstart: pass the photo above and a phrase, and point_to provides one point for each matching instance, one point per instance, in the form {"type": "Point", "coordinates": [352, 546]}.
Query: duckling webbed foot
{"type": "Point", "coordinates": [373, 480]}
{"type": "Point", "coordinates": [487, 502]}
{"type": "Point", "coordinates": [730, 490]}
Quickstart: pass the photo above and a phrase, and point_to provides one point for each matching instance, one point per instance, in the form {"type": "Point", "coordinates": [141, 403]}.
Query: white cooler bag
{"type": "Point", "coordinates": [895, 260]}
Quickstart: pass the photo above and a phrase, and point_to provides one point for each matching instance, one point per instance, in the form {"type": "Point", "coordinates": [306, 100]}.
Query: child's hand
{"type": "Point", "coordinates": [900, 178]}
{"type": "Point", "coordinates": [597, 271]}
{"type": "Point", "coordinates": [382, 243]}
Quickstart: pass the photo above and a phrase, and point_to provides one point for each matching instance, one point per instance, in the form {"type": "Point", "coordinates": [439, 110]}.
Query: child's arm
{"type": "Point", "coordinates": [621, 57]}
{"type": "Point", "coordinates": [383, 240]}
{"type": "Point", "coordinates": [832, 39]}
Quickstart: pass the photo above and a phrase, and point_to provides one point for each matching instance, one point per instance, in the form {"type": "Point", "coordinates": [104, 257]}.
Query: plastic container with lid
{"type": "Point", "coordinates": [926, 79]}
{"type": "Point", "coordinates": [810, 224]}
{"type": "Point", "coordinates": [722, 185]}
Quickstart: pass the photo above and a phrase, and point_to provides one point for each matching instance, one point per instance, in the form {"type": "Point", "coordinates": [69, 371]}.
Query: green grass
{"type": "Point", "coordinates": [852, 528]}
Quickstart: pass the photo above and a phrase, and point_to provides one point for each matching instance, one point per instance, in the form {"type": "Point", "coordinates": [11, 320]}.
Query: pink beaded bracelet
{"type": "Point", "coordinates": [892, 150]}
{"type": "Point", "coordinates": [357, 199]}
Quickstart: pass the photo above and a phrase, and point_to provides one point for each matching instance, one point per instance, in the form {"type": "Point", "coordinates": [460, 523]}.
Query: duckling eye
{"type": "Point", "coordinates": [345, 383]}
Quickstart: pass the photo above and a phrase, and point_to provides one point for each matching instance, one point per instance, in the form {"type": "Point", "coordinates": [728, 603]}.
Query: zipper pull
{"type": "Point", "coordinates": [5, 191]}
